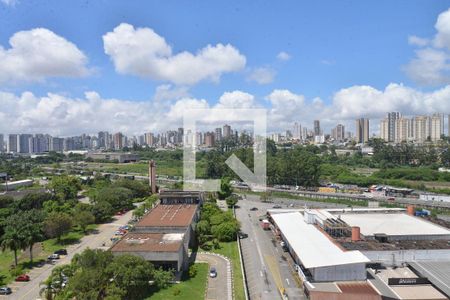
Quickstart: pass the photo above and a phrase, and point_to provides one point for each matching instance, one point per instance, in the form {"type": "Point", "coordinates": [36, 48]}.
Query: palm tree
{"type": "Point", "coordinates": [32, 229]}
{"type": "Point", "coordinates": [13, 240]}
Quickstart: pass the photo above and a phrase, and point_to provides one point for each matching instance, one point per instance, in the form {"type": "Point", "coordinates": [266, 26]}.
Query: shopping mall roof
{"type": "Point", "coordinates": [392, 224]}
{"type": "Point", "coordinates": [312, 246]}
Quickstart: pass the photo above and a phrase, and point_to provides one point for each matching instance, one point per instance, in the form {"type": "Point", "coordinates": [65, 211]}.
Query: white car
{"type": "Point", "coordinates": [213, 272]}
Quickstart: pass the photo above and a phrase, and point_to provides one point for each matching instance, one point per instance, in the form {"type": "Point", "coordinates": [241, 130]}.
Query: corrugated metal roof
{"type": "Point", "coordinates": [438, 272]}
{"type": "Point", "coordinates": [357, 288]}
{"type": "Point", "coordinates": [312, 247]}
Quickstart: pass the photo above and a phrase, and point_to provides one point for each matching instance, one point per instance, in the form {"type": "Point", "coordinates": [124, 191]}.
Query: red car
{"type": "Point", "coordinates": [23, 277]}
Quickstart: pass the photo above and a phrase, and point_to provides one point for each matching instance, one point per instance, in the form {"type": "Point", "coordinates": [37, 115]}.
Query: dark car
{"type": "Point", "coordinates": [242, 235]}
{"type": "Point", "coordinates": [23, 277]}
{"type": "Point", "coordinates": [253, 208]}
{"type": "Point", "coordinates": [5, 290]}
{"type": "Point", "coordinates": [61, 252]}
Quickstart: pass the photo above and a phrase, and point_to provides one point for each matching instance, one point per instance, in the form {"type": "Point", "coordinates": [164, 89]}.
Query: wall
{"type": "Point", "coordinates": [401, 256]}
{"type": "Point", "coordinates": [339, 273]}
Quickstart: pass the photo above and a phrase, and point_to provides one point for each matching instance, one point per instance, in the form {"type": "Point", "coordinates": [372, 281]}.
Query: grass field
{"type": "Point", "coordinates": [231, 251]}
{"type": "Point", "coordinates": [190, 289]}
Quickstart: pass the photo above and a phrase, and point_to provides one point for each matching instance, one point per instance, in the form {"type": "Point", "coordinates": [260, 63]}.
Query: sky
{"type": "Point", "coordinates": [72, 67]}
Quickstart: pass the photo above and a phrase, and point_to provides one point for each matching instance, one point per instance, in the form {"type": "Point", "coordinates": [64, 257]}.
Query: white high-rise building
{"type": "Point", "coordinates": [338, 133]}
{"type": "Point", "coordinates": [421, 128]}
{"type": "Point", "coordinates": [13, 143]}
{"type": "Point", "coordinates": [297, 134]}
{"type": "Point", "coordinates": [401, 130]}
{"type": "Point", "coordinates": [384, 129]}
{"type": "Point", "coordinates": [437, 127]}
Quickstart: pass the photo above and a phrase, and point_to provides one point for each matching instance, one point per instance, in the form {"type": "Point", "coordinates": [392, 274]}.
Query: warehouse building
{"type": "Point", "coordinates": [113, 156]}
{"type": "Point", "coordinates": [323, 259]}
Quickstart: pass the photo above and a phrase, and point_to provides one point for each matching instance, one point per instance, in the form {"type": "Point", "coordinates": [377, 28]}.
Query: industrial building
{"type": "Point", "coordinates": [113, 156]}
{"type": "Point", "coordinates": [180, 197]}
{"type": "Point", "coordinates": [14, 185]}
{"type": "Point", "coordinates": [366, 253]}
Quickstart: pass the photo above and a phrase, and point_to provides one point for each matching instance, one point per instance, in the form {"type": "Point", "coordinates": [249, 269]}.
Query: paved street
{"type": "Point", "coordinates": [30, 290]}
{"type": "Point", "coordinates": [266, 269]}
{"type": "Point", "coordinates": [219, 287]}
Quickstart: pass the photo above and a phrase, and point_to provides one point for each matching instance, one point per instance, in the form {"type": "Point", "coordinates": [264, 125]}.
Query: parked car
{"type": "Point", "coordinates": [53, 256]}
{"type": "Point", "coordinates": [118, 232]}
{"type": "Point", "coordinates": [213, 272]}
{"type": "Point", "coordinates": [242, 235]}
{"type": "Point", "coordinates": [5, 290]}
{"type": "Point", "coordinates": [276, 206]}
{"type": "Point", "coordinates": [61, 252]}
{"type": "Point", "coordinates": [23, 277]}
{"type": "Point", "coordinates": [253, 208]}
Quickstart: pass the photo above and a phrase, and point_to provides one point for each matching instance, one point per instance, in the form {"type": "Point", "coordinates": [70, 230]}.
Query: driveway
{"type": "Point", "coordinates": [220, 287]}
{"type": "Point", "coordinates": [30, 290]}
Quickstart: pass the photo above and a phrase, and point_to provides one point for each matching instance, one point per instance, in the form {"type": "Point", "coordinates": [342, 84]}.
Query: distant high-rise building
{"type": "Point", "coordinates": [180, 134]}
{"type": "Point", "coordinates": [24, 143]}
{"type": "Point", "coordinates": [209, 139]}
{"type": "Point", "coordinates": [118, 141]}
{"type": "Point", "coordinates": [437, 127]}
{"type": "Point", "coordinates": [56, 144]}
{"type": "Point", "coordinates": [362, 130]}
{"type": "Point", "coordinates": [297, 134]}
{"type": "Point", "coordinates": [2, 143]}
{"type": "Point", "coordinates": [218, 134]}
{"type": "Point", "coordinates": [104, 140]}
{"type": "Point", "coordinates": [392, 117]}
{"type": "Point", "coordinates": [338, 133]}
{"type": "Point", "coordinates": [317, 130]}
{"type": "Point", "coordinates": [13, 143]}
{"type": "Point", "coordinates": [384, 129]}
{"type": "Point", "coordinates": [226, 131]}
{"type": "Point", "coordinates": [402, 130]}
{"type": "Point", "coordinates": [421, 128]}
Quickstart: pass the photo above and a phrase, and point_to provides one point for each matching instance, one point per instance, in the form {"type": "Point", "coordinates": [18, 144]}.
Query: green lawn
{"type": "Point", "coordinates": [70, 238]}
{"type": "Point", "coordinates": [231, 251]}
{"type": "Point", "coordinates": [190, 289]}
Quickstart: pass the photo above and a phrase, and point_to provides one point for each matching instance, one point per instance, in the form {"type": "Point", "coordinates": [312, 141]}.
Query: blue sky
{"type": "Point", "coordinates": [332, 45]}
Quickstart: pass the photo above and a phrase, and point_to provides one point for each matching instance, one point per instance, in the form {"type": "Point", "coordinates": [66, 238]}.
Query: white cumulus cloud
{"type": "Point", "coordinates": [144, 53]}
{"type": "Point", "coordinates": [283, 56]}
{"type": "Point", "coordinates": [262, 75]}
{"type": "Point", "coordinates": [431, 65]}
{"type": "Point", "coordinates": [37, 54]}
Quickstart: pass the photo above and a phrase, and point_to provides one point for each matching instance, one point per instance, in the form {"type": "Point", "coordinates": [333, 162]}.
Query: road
{"type": "Point", "coordinates": [266, 270]}
{"type": "Point", "coordinates": [30, 290]}
{"type": "Point", "coordinates": [219, 288]}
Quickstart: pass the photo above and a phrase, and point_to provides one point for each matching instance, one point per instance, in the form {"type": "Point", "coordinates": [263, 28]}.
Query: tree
{"type": "Point", "coordinates": [13, 238]}
{"type": "Point", "coordinates": [226, 232]}
{"type": "Point", "coordinates": [57, 224]}
{"type": "Point", "coordinates": [118, 197]}
{"type": "Point", "coordinates": [33, 231]}
{"type": "Point", "coordinates": [162, 278]}
{"type": "Point", "coordinates": [5, 201]}
{"type": "Point", "coordinates": [31, 201]}
{"type": "Point", "coordinates": [83, 218]}
{"type": "Point", "coordinates": [225, 189]}
{"type": "Point", "coordinates": [102, 211]}
{"type": "Point", "coordinates": [65, 187]}
{"type": "Point", "coordinates": [232, 200]}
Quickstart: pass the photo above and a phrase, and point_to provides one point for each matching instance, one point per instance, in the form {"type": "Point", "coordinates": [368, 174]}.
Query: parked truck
{"type": "Point", "coordinates": [265, 224]}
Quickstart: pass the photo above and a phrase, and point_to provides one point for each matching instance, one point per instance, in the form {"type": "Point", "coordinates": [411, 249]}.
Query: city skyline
{"type": "Point", "coordinates": [99, 88]}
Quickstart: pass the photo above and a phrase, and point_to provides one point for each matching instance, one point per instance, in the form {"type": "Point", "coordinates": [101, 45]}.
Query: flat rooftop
{"type": "Point", "coordinates": [419, 292]}
{"type": "Point", "coordinates": [149, 242]}
{"type": "Point", "coordinates": [174, 215]}
{"type": "Point", "coordinates": [392, 224]}
{"type": "Point", "coordinates": [313, 248]}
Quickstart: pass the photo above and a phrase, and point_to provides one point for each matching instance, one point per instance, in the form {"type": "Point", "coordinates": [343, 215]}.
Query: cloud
{"type": "Point", "coordinates": [431, 65]}
{"type": "Point", "coordinates": [58, 114]}
{"type": "Point", "coordinates": [144, 53]}
{"type": "Point", "coordinates": [262, 75]}
{"type": "Point", "coordinates": [38, 54]}
{"type": "Point", "coordinates": [442, 38]}
{"type": "Point", "coordinates": [283, 56]}
{"type": "Point", "coordinates": [10, 2]}
{"type": "Point", "coordinates": [417, 41]}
